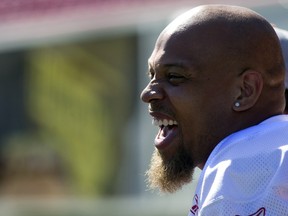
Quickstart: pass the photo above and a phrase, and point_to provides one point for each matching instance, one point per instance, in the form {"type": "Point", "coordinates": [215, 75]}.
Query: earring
{"type": "Point", "coordinates": [237, 104]}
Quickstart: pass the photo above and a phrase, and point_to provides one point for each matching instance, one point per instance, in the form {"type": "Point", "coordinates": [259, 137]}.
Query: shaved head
{"type": "Point", "coordinates": [236, 33]}
{"type": "Point", "coordinates": [231, 38]}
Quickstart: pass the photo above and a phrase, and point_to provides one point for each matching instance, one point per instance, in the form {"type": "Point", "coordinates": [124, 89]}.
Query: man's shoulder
{"type": "Point", "coordinates": [264, 138]}
{"type": "Point", "coordinates": [248, 164]}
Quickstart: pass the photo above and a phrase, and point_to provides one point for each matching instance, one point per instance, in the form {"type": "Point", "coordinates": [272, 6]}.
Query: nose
{"type": "Point", "coordinates": [152, 92]}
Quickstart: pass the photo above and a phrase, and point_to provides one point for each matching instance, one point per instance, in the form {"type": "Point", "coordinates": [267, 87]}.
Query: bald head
{"type": "Point", "coordinates": [230, 39]}
{"type": "Point", "coordinates": [235, 32]}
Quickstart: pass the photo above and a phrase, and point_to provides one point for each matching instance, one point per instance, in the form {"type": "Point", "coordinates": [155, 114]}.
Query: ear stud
{"type": "Point", "coordinates": [237, 104]}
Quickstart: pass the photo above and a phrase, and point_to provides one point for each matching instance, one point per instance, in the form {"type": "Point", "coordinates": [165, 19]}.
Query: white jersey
{"type": "Point", "coordinates": [247, 173]}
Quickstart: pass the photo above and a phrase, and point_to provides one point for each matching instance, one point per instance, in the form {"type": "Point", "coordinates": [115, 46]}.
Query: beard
{"type": "Point", "coordinates": [170, 175]}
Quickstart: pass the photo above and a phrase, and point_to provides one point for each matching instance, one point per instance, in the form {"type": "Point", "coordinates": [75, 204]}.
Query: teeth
{"type": "Point", "coordinates": [155, 122]}
{"type": "Point", "coordinates": [164, 122]}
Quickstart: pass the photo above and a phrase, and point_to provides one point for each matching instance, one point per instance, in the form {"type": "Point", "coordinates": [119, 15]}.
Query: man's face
{"type": "Point", "coordinates": [187, 101]}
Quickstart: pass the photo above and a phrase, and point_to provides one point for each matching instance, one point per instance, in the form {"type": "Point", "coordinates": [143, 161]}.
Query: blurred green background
{"type": "Point", "coordinates": [75, 138]}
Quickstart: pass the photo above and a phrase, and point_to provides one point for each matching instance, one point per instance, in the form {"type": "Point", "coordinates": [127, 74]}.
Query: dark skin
{"type": "Point", "coordinates": [202, 64]}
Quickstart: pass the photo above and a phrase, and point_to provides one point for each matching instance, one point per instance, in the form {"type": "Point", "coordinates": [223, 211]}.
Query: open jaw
{"type": "Point", "coordinates": [168, 131]}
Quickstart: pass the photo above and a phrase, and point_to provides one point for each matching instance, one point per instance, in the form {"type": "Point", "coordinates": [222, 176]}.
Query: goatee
{"type": "Point", "coordinates": [170, 175]}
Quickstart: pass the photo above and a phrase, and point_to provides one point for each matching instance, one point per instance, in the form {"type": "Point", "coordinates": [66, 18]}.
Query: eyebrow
{"type": "Point", "coordinates": [164, 66]}
{"type": "Point", "coordinates": [168, 65]}
{"type": "Point", "coordinates": [190, 69]}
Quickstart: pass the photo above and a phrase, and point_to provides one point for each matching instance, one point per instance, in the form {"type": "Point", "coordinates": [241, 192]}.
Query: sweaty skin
{"type": "Point", "coordinates": [204, 62]}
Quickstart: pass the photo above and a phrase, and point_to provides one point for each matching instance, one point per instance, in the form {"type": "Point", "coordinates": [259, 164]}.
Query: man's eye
{"type": "Point", "coordinates": [175, 78]}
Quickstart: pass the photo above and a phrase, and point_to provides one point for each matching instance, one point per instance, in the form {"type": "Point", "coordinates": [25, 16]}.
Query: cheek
{"type": "Point", "coordinates": [187, 110]}
{"type": "Point", "coordinates": [191, 110]}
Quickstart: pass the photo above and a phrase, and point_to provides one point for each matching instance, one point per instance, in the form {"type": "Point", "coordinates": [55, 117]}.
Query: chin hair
{"type": "Point", "coordinates": [169, 175]}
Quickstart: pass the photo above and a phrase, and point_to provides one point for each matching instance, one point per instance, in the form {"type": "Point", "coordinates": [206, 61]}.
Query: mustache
{"type": "Point", "coordinates": [161, 108]}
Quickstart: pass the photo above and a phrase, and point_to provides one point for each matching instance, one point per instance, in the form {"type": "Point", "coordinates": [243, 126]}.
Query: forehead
{"type": "Point", "coordinates": [175, 49]}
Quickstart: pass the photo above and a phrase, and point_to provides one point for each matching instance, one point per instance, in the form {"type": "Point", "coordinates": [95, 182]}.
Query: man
{"type": "Point", "coordinates": [283, 37]}
{"type": "Point", "coordinates": [216, 92]}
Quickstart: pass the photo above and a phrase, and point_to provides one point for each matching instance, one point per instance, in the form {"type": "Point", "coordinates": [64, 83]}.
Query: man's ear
{"type": "Point", "coordinates": [251, 88]}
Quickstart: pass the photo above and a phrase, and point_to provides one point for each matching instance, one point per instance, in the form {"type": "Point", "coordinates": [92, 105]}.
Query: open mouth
{"type": "Point", "coordinates": [168, 130]}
